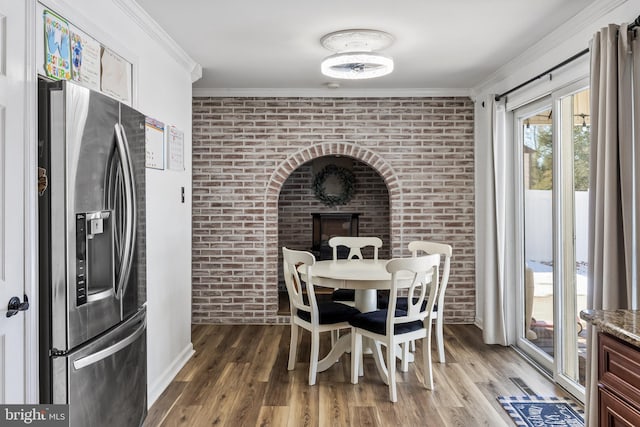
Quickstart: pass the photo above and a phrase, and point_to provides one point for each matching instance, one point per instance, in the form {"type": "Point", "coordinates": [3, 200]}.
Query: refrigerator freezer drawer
{"type": "Point", "coordinates": [107, 378]}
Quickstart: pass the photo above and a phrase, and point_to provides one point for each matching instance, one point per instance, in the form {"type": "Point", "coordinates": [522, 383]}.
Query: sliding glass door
{"type": "Point", "coordinates": [553, 158]}
{"type": "Point", "coordinates": [535, 135]}
{"type": "Point", "coordinates": [572, 207]}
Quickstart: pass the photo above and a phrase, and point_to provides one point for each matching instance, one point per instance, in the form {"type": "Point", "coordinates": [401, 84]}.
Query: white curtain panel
{"type": "Point", "coordinates": [626, 153]}
{"type": "Point", "coordinates": [497, 319]}
{"type": "Point", "coordinates": [613, 206]}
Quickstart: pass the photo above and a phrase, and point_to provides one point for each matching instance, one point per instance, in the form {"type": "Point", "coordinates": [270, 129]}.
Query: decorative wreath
{"type": "Point", "coordinates": [347, 181]}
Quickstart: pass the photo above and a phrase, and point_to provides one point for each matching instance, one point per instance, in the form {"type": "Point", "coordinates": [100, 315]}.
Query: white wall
{"type": "Point", "coordinates": [162, 90]}
{"type": "Point", "coordinates": [566, 41]}
{"type": "Point", "coordinates": [539, 225]}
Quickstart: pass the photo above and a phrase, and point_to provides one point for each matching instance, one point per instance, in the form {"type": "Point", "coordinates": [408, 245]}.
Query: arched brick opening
{"type": "Point", "coordinates": [282, 172]}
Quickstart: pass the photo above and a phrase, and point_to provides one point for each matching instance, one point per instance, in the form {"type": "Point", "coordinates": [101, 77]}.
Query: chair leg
{"type": "Point", "coordinates": [440, 338]}
{"type": "Point", "coordinates": [293, 346]}
{"type": "Point", "coordinates": [413, 346]}
{"type": "Point", "coordinates": [356, 355]}
{"type": "Point", "coordinates": [334, 337]}
{"type": "Point", "coordinates": [391, 371]}
{"type": "Point", "coordinates": [404, 363]}
{"type": "Point", "coordinates": [313, 359]}
{"type": "Point", "coordinates": [426, 355]}
{"type": "Point", "coordinates": [380, 365]}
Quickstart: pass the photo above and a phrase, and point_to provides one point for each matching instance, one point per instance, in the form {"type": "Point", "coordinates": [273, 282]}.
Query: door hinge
{"type": "Point", "coordinates": [54, 352]}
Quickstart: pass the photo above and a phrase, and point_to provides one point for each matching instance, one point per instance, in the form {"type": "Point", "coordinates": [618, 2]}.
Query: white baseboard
{"type": "Point", "coordinates": [162, 382]}
{"type": "Point", "coordinates": [478, 322]}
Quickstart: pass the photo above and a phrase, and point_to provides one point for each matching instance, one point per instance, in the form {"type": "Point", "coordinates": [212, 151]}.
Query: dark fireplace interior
{"type": "Point", "coordinates": [328, 225]}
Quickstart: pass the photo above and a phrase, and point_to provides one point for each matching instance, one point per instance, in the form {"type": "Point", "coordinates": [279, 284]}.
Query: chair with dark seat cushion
{"type": "Point", "coordinates": [431, 248]}
{"type": "Point", "coordinates": [305, 310]}
{"type": "Point", "coordinates": [418, 277]}
{"type": "Point", "coordinates": [445, 251]}
{"type": "Point", "coordinates": [355, 246]}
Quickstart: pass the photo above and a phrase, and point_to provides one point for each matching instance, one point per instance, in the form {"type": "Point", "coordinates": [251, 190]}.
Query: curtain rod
{"type": "Point", "coordinates": [633, 25]}
{"type": "Point", "coordinates": [544, 73]}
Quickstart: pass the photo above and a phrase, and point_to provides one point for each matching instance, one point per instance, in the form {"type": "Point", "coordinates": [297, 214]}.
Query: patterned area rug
{"type": "Point", "coordinates": [539, 411]}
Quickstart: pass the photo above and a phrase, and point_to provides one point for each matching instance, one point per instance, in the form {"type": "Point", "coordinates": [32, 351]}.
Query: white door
{"type": "Point", "coordinates": [12, 197]}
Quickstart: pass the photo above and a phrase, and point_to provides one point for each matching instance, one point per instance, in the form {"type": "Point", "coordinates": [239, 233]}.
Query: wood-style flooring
{"type": "Point", "coordinates": [239, 377]}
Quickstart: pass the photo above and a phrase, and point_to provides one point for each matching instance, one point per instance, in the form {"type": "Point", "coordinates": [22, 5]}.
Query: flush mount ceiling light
{"type": "Point", "coordinates": [356, 56]}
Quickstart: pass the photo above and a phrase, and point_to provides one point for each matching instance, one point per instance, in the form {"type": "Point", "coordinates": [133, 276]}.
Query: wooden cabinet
{"type": "Point", "coordinates": [618, 382]}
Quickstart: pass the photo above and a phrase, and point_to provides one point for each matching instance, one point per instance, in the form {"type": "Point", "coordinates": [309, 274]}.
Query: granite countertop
{"type": "Point", "coordinates": [624, 324]}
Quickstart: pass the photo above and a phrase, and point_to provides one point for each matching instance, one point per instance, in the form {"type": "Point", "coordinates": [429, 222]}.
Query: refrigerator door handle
{"type": "Point", "coordinates": [130, 209]}
{"type": "Point", "coordinates": [104, 353]}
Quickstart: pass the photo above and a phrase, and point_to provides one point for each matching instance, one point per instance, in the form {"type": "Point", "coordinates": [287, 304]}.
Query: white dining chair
{"type": "Point", "coordinates": [355, 246]}
{"type": "Point", "coordinates": [306, 312]}
{"type": "Point", "coordinates": [416, 248]}
{"type": "Point", "coordinates": [392, 327]}
{"type": "Point", "coordinates": [445, 251]}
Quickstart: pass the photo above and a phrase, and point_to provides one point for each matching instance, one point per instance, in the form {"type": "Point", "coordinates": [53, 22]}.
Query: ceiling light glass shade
{"type": "Point", "coordinates": [356, 65]}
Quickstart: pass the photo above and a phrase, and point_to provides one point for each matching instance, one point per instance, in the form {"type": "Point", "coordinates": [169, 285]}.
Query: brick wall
{"type": "Point", "coordinates": [244, 149]}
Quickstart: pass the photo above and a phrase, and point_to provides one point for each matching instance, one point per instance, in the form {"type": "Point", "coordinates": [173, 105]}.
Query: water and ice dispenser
{"type": "Point", "coordinates": [95, 272]}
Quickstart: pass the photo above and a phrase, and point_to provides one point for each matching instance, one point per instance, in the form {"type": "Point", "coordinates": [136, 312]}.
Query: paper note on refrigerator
{"type": "Point", "coordinates": [154, 143]}
{"type": "Point", "coordinates": [175, 142]}
{"type": "Point", "coordinates": [115, 76]}
{"type": "Point", "coordinates": [85, 59]}
{"type": "Point", "coordinates": [56, 61]}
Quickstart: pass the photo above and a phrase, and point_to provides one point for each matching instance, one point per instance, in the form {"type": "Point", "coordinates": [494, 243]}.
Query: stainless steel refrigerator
{"type": "Point", "coordinates": [92, 270]}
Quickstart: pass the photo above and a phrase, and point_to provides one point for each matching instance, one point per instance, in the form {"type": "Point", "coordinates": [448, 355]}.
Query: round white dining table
{"type": "Point", "coordinates": [366, 277]}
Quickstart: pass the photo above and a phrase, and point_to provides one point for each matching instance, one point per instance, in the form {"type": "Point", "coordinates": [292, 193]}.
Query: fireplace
{"type": "Point", "coordinates": [328, 225]}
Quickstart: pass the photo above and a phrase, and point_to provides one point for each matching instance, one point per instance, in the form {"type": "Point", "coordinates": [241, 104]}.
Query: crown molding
{"type": "Point", "coordinates": [579, 22]}
{"type": "Point", "coordinates": [156, 32]}
{"type": "Point", "coordinates": [330, 93]}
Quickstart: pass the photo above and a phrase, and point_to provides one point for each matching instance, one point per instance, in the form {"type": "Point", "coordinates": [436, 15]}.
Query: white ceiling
{"type": "Point", "coordinates": [275, 44]}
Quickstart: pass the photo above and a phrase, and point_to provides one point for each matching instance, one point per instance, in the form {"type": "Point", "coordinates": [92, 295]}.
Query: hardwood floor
{"type": "Point", "coordinates": [239, 377]}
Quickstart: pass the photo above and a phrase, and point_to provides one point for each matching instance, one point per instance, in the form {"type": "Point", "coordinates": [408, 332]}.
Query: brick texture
{"type": "Point", "coordinates": [245, 150]}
